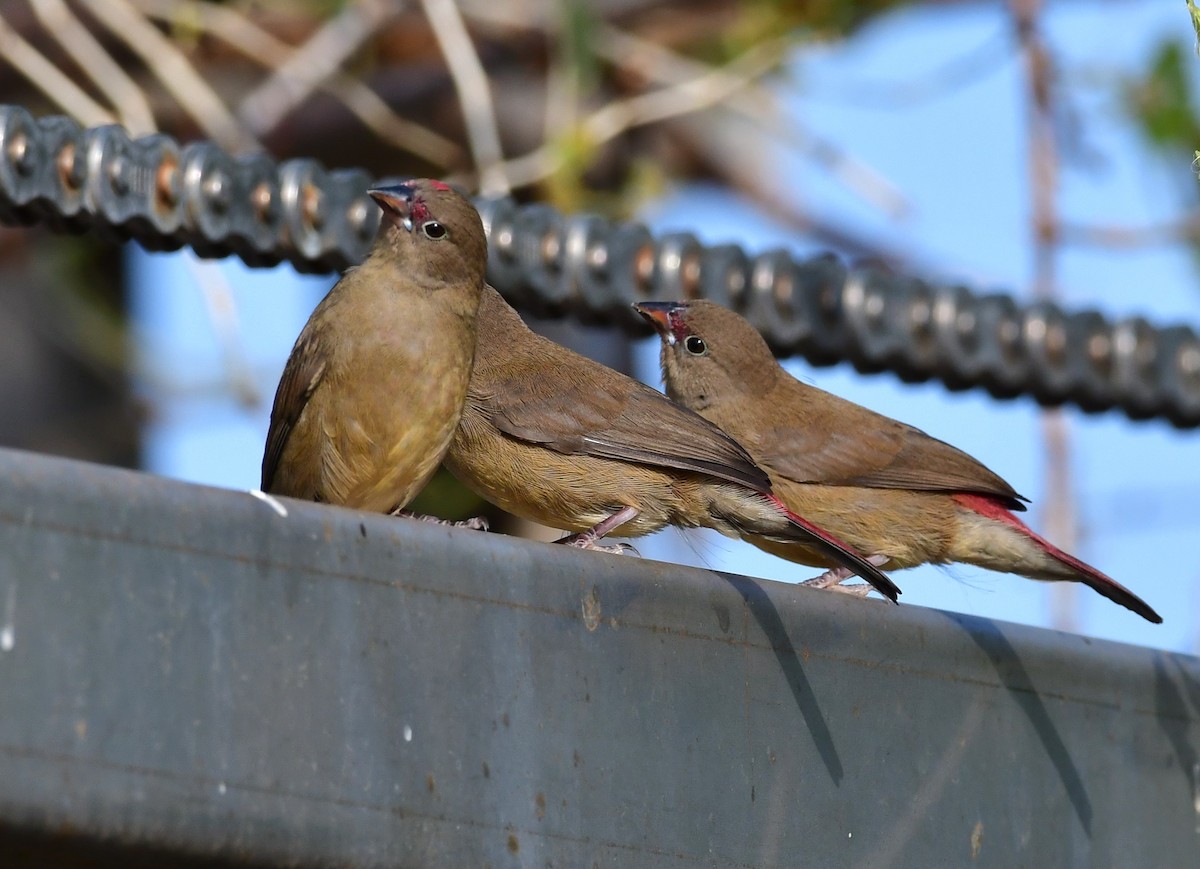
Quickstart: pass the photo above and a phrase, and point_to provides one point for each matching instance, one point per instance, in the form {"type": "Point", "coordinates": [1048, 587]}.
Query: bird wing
{"type": "Point", "coordinates": [870, 450]}
{"type": "Point", "coordinates": [596, 411]}
{"type": "Point", "coordinates": [301, 376]}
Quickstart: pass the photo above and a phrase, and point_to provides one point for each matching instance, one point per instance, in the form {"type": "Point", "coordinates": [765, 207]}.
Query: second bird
{"type": "Point", "coordinates": [556, 438]}
{"type": "Point", "coordinates": [885, 488]}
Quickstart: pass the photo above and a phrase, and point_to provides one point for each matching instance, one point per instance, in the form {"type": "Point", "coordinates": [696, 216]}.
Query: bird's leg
{"type": "Point", "coordinates": [475, 523]}
{"type": "Point", "coordinates": [833, 578]}
{"type": "Point", "coordinates": [590, 539]}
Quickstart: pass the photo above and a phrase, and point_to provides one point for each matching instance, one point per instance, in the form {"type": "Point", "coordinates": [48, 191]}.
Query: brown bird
{"type": "Point", "coordinates": [887, 489]}
{"type": "Point", "coordinates": [556, 438]}
{"type": "Point", "coordinates": [375, 385]}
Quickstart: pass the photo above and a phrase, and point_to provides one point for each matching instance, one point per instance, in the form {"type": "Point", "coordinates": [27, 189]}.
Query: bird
{"type": "Point", "coordinates": [375, 384]}
{"type": "Point", "coordinates": [559, 439]}
{"type": "Point", "coordinates": [889, 490]}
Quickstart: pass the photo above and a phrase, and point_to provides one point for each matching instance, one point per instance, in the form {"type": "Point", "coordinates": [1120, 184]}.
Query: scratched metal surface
{"type": "Point", "coordinates": [187, 673]}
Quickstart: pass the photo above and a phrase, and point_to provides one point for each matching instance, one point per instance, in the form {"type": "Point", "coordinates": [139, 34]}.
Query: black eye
{"type": "Point", "coordinates": [695, 345]}
{"type": "Point", "coordinates": [433, 229]}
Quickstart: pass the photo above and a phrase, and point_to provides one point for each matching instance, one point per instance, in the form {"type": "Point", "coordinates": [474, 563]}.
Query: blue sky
{"type": "Point", "coordinates": [960, 160]}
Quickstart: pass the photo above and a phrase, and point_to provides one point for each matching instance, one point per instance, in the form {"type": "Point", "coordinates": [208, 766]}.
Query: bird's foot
{"type": "Point", "coordinates": [832, 579]}
{"type": "Point", "coordinates": [590, 541]}
{"type": "Point", "coordinates": [475, 523]}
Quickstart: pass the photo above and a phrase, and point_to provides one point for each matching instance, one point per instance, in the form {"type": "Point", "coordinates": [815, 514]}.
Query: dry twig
{"type": "Point", "coordinates": [620, 116]}
{"type": "Point", "coordinates": [177, 75]}
{"type": "Point", "coordinates": [221, 306]}
{"type": "Point", "coordinates": [49, 79]}
{"type": "Point", "coordinates": [242, 34]}
{"type": "Point", "coordinates": [1060, 514]}
{"type": "Point", "coordinates": [321, 56]}
{"type": "Point", "coordinates": [131, 104]}
{"type": "Point", "coordinates": [474, 92]}
{"type": "Point", "coordinates": [663, 66]}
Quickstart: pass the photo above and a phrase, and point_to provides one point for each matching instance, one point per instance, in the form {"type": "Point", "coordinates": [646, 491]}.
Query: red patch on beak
{"type": "Point", "coordinates": [666, 318]}
{"type": "Point", "coordinates": [418, 211]}
{"type": "Point", "coordinates": [678, 327]}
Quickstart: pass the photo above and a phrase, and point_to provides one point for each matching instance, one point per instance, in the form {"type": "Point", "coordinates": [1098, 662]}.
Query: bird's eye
{"type": "Point", "coordinates": [433, 229]}
{"type": "Point", "coordinates": [695, 345]}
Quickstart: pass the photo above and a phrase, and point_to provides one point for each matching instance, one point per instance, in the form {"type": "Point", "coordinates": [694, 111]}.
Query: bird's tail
{"type": "Point", "coordinates": [813, 535]}
{"type": "Point", "coordinates": [1051, 563]}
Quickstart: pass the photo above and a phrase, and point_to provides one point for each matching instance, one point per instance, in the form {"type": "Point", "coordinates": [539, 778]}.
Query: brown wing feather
{"type": "Point", "coordinates": [863, 448]}
{"type": "Point", "coordinates": [596, 411]}
{"type": "Point", "coordinates": [303, 372]}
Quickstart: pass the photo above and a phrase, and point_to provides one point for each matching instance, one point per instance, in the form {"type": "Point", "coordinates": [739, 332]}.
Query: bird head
{"type": "Point", "coordinates": [708, 352]}
{"type": "Point", "coordinates": [434, 229]}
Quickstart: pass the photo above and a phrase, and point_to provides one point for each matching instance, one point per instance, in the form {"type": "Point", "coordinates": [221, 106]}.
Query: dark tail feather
{"type": "Point", "coordinates": [1102, 584]}
{"type": "Point", "coordinates": [841, 553]}
{"type": "Point", "coordinates": [1088, 575]}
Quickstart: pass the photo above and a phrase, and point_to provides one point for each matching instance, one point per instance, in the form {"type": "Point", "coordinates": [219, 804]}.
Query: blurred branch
{"type": "Point", "coordinates": [58, 20]}
{"type": "Point", "coordinates": [474, 93]}
{"type": "Point", "coordinates": [1060, 513]}
{"type": "Point", "coordinates": [49, 79]}
{"type": "Point", "coordinates": [730, 157]}
{"type": "Point", "coordinates": [687, 97]}
{"type": "Point", "coordinates": [238, 31]}
{"type": "Point", "coordinates": [946, 78]}
{"type": "Point", "coordinates": [173, 70]}
{"type": "Point", "coordinates": [321, 56]}
{"type": "Point", "coordinates": [1183, 231]}
{"type": "Point", "coordinates": [222, 313]}
{"type": "Point", "coordinates": [663, 66]}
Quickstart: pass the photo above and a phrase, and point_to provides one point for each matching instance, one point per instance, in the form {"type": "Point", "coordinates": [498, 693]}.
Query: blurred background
{"type": "Point", "coordinates": [1041, 149]}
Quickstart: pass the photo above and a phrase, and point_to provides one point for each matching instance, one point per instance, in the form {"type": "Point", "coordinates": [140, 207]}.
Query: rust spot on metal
{"type": "Point", "coordinates": [539, 803]}
{"type": "Point", "coordinates": [430, 783]}
{"type": "Point", "coordinates": [643, 266]}
{"type": "Point", "coordinates": [551, 247]}
{"type": "Point", "coordinates": [976, 839]}
{"type": "Point", "coordinates": [312, 206]}
{"type": "Point", "coordinates": [68, 170]}
{"type": "Point", "coordinates": [166, 182]}
{"type": "Point", "coordinates": [689, 271]}
{"type": "Point", "coordinates": [514, 844]}
{"type": "Point", "coordinates": [261, 199]}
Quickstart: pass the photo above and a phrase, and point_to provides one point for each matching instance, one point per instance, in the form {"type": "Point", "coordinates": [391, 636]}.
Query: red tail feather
{"type": "Point", "coordinates": [1094, 579]}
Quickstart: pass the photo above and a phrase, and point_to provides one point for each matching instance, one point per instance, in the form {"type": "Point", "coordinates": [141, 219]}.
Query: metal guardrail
{"type": "Point", "coordinates": [167, 196]}
{"type": "Point", "coordinates": [187, 674]}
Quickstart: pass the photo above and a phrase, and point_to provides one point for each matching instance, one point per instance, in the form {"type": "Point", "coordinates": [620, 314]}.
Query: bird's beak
{"type": "Point", "coordinates": [663, 316]}
{"type": "Point", "coordinates": [396, 202]}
